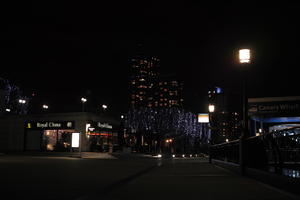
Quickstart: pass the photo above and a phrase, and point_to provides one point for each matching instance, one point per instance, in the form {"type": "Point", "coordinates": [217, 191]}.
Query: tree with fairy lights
{"type": "Point", "coordinates": [154, 125]}
{"type": "Point", "coordinates": [12, 95]}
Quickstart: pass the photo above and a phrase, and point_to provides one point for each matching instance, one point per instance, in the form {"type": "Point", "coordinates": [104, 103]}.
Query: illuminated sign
{"type": "Point", "coordinates": [50, 125]}
{"type": "Point", "coordinates": [273, 108]}
{"type": "Point", "coordinates": [104, 125]}
{"type": "Point", "coordinates": [75, 140]}
{"type": "Point", "coordinates": [101, 134]}
{"type": "Point", "coordinates": [203, 118]}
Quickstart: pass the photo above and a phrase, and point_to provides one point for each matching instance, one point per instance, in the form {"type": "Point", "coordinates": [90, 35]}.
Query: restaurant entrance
{"type": "Point", "coordinates": [48, 136]}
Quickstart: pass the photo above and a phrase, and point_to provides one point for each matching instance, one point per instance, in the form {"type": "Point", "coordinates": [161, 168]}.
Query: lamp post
{"type": "Point", "coordinates": [83, 100]}
{"type": "Point", "coordinates": [211, 109]}
{"type": "Point", "coordinates": [244, 59]}
{"type": "Point", "coordinates": [22, 102]}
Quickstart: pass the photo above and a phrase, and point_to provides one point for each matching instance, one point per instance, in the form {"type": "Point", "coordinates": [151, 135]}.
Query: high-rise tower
{"type": "Point", "coordinates": [143, 81]}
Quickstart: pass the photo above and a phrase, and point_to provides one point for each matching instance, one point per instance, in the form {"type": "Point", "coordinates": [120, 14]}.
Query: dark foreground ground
{"type": "Point", "coordinates": [39, 177]}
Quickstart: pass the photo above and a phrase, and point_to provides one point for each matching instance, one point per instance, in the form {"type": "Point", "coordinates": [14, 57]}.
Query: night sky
{"type": "Point", "coordinates": [65, 50]}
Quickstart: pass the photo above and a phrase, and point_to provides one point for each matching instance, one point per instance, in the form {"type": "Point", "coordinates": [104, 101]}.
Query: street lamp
{"type": "Point", "coordinates": [45, 106]}
{"type": "Point", "coordinates": [83, 100]}
{"type": "Point", "coordinates": [244, 59]}
{"type": "Point", "coordinates": [211, 108]}
{"type": "Point", "coordinates": [244, 56]}
{"type": "Point", "coordinates": [22, 101]}
{"type": "Point", "coordinates": [104, 107]}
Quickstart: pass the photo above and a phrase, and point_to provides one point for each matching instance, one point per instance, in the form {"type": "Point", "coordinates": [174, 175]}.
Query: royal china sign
{"type": "Point", "coordinates": [51, 125]}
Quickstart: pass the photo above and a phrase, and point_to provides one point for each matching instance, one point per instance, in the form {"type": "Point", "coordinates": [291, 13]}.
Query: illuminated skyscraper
{"type": "Point", "coordinates": [143, 81]}
{"type": "Point", "coordinates": [169, 92]}
{"type": "Point", "coordinates": [149, 89]}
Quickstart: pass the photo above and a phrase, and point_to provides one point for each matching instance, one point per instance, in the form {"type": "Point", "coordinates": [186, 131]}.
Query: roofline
{"type": "Point", "coordinates": [273, 99]}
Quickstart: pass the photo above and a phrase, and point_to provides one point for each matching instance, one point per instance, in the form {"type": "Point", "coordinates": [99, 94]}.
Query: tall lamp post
{"type": "Point", "coordinates": [244, 59]}
{"type": "Point", "coordinates": [83, 100]}
{"type": "Point", "coordinates": [211, 109]}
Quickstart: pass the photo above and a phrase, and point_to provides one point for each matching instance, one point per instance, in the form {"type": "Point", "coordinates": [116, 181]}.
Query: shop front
{"type": "Point", "coordinates": [53, 132]}
{"type": "Point", "coordinates": [102, 137]}
{"type": "Point", "coordinates": [49, 135]}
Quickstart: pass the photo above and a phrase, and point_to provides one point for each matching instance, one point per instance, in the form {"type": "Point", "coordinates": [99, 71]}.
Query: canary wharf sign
{"type": "Point", "coordinates": [50, 125]}
{"type": "Point", "coordinates": [292, 107]}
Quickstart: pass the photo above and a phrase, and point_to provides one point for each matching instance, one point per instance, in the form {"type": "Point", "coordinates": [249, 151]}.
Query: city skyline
{"type": "Point", "coordinates": [53, 50]}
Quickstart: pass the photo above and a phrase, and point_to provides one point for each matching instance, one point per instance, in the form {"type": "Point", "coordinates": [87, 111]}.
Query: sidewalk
{"type": "Point", "coordinates": [85, 155]}
{"type": "Point", "coordinates": [196, 179]}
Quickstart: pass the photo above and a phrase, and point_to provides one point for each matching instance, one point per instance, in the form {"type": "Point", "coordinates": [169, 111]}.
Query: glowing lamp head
{"type": "Point", "coordinates": [211, 108]}
{"type": "Point", "coordinates": [45, 106]}
{"type": "Point", "coordinates": [104, 107]}
{"type": "Point", "coordinates": [83, 100]}
{"type": "Point", "coordinates": [244, 55]}
{"type": "Point", "coordinates": [22, 101]}
{"type": "Point", "coordinates": [159, 155]}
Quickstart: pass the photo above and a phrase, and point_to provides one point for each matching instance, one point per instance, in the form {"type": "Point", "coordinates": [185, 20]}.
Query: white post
{"type": "Point", "coordinates": [80, 145]}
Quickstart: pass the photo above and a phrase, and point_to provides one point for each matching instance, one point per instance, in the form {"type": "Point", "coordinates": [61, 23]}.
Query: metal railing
{"type": "Point", "coordinates": [276, 150]}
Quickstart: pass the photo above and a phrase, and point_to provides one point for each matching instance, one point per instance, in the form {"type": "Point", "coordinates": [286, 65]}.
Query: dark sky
{"type": "Point", "coordinates": [69, 49]}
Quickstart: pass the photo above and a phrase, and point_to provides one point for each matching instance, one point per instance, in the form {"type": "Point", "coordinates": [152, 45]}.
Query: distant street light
{"type": "Point", "coordinates": [83, 100]}
{"type": "Point", "coordinates": [7, 110]}
{"type": "Point", "coordinates": [104, 107]}
{"type": "Point", "coordinates": [45, 107]}
{"type": "Point", "coordinates": [22, 101]}
{"type": "Point", "coordinates": [211, 108]}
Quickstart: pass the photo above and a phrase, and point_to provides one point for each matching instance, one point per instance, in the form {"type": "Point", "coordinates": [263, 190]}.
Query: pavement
{"type": "Point", "coordinates": [128, 177]}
